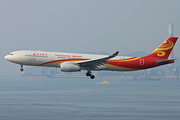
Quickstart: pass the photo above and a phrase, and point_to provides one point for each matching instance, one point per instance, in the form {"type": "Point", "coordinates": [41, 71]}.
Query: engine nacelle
{"type": "Point", "coordinates": [69, 67]}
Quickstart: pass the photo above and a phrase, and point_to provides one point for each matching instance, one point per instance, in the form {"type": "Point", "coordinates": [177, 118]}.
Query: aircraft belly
{"type": "Point", "coordinates": [102, 67]}
{"type": "Point", "coordinates": [105, 67]}
{"type": "Point", "coordinates": [52, 65]}
{"type": "Point", "coordinates": [116, 69]}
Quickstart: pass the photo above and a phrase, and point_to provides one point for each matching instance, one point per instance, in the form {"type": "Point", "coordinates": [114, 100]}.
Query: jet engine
{"type": "Point", "coordinates": [69, 67]}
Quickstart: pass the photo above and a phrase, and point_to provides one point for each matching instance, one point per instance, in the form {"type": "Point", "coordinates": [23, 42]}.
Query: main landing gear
{"type": "Point", "coordinates": [21, 68]}
{"type": "Point", "coordinates": [90, 74]}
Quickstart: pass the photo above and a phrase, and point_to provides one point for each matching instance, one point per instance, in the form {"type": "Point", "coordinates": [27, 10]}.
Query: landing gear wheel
{"type": "Point", "coordinates": [88, 74]}
{"type": "Point", "coordinates": [21, 69]}
{"type": "Point", "coordinates": [92, 76]}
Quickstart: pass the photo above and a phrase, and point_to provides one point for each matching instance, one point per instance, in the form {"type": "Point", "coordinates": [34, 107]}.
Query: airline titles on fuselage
{"type": "Point", "coordinates": [40, 54]}
{"type": "Point", "coordinates": [58, 55]}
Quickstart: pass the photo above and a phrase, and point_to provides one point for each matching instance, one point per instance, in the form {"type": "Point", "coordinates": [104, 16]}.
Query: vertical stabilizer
{"type": "Point", "coordinates": [164, 50]}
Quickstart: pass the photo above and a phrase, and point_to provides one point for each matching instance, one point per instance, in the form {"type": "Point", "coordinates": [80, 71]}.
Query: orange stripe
{"type": "Point", "coordinates": [61, 61]}
{"type": "Point", "coordinates": [129, 59]}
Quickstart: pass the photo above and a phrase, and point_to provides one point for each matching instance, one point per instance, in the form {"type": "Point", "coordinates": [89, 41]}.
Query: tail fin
{"type": "Point", "coordinates": [164, 50]}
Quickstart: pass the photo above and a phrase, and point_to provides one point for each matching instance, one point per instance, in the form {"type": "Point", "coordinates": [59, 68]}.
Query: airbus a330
{"type": "Point", "coordinates": [73, 62]}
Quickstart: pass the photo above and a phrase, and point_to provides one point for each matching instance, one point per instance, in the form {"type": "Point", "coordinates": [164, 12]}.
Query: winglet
{"type": "Point", "coordinates": [115, 54]}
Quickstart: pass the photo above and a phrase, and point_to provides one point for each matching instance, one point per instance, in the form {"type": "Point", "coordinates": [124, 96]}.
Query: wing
{"type": "Point", "coordinates": [94, 63]}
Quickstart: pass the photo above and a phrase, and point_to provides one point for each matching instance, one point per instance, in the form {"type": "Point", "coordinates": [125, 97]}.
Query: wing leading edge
{"type": "Point", "coordinates": [94, 63]}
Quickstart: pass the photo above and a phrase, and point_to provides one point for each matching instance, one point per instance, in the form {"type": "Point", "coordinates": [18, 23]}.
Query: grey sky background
{"type": "Point", "coordinates": [85, 26]}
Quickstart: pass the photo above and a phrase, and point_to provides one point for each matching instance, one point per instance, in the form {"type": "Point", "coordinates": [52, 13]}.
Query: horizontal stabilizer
{"type": "Point", "coordinates": [161, 62]}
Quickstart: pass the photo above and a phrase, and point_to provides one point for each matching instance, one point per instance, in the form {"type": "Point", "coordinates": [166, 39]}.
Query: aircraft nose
{"type": "Point", "coordinates": [7, 57]}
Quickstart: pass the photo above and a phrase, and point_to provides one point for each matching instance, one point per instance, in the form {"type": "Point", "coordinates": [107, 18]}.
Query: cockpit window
{"type": "Point", "coordinates": [11, 54]}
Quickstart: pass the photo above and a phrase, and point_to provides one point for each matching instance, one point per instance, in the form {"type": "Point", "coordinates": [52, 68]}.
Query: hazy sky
{"type": "Point", "coordinates": [85, 26]}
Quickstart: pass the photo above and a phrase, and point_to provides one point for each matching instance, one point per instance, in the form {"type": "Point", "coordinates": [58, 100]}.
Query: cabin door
{"type": "Point", "coordinates": [52, 57]}
{"type": "Point", "coordinates": [141, 62]}
{"type": "Point", "coordinates": [20, 54]}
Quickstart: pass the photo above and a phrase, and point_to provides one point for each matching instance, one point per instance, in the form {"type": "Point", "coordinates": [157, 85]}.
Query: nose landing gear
{"type": "Point", "coordinates": [21, 68]}
{"type": "Point", "coordinates": [90, 74]}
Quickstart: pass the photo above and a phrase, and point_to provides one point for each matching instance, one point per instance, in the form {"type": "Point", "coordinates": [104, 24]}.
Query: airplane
{"type": "Point", "coordinates": [73, 62]}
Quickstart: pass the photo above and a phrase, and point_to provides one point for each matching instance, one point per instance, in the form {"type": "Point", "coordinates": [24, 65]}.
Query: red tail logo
{"type": "Point", "coordinates": [164, 50]}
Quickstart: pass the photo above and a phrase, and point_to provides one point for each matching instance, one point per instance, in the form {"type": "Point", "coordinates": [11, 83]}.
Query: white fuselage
{"type": "Point", "coordinates": [54, 59]}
